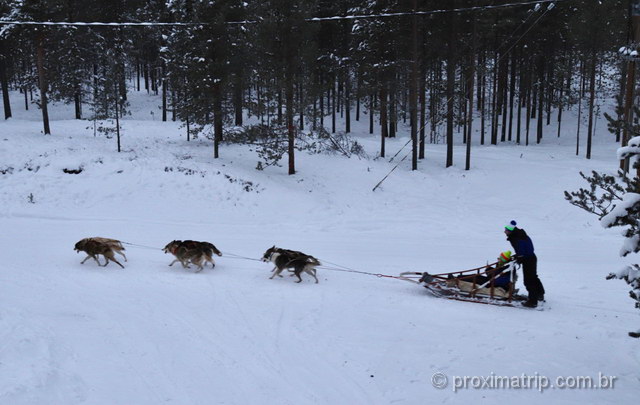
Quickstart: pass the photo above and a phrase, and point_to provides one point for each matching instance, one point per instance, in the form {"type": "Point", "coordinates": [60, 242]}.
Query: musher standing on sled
{"type": "Point", "coordinates": [525, 256]}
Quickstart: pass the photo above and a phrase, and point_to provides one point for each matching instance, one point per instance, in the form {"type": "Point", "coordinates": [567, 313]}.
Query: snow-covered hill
{"type": "Point", "coordinates": [150, 334]}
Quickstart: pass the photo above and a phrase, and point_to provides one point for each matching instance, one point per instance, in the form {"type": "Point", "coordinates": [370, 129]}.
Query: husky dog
{"type": "Point", "coordinates": [291, 259]}
{"type": "Point", "coordinates": [190, 251]}
{"type": "Point", "coordinates": [114, 244]}
{"type": "Point", "coordinates": [93, 247]}
{"type": "Point", "coordinates": [207, 248]}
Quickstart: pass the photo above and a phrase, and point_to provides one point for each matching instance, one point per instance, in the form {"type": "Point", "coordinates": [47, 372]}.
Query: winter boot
{"type": "Point", "coordinates": [530, 303]}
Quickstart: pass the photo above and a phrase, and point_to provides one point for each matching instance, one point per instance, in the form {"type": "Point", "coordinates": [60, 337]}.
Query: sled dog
{"type": "Point", "coordinates": [190, 251]}
{"type": "Point", "coordinates": [93, 247]}
{"type": "Point", "coordinates": [114, 244]}
{"type": "Point", "coordinates": [291, 259]}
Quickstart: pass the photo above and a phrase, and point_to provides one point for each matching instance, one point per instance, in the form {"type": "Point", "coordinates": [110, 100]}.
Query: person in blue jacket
{"type": "Point", "coordinates": [525, 255]}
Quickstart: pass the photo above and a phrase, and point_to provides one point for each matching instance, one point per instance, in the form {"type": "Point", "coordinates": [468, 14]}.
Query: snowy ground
{"type": "Point", "coordinates": [150, 334]}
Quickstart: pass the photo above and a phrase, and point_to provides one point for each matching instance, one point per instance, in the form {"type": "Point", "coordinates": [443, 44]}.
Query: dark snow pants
{"type": "Point", "coordinates": [531, 281]}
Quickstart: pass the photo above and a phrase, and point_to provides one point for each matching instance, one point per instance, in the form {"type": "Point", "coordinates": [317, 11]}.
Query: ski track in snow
{"type": "Point", "coordinates": [150, 334]}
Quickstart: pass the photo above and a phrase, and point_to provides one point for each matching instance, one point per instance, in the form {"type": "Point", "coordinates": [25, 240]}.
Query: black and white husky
{"type": "Point", "coordinates": [291, 259]}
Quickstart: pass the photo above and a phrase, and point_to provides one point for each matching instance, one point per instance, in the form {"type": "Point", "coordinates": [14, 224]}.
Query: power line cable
{"type": "Point", "coordinates": [311, 19]}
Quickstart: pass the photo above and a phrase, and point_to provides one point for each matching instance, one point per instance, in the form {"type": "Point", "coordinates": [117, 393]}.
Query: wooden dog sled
{"type": "Point", "coordinates": [473, 285]}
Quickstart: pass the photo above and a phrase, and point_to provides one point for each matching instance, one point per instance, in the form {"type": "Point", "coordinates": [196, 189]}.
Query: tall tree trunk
{"type": "Point", "coordinates": [173, 104]}
{"type": "Point", "coordinates": [519, 118]}
{"type": "Point", "coordinates": [464, 116]}
{"type": "Point", "coordinates": [24, 87]}
{"type": "Point", "coordinates": [529, 101]}
{"type": "Point", "coordinates": [279, 107]}
{"type": "Point", "coordinates": [321, 102]}
{"type": "Point", "coordinates": [592, 96]}
{"type": "Point", "coordinates": [339, 106]}
{"type": "Point", "coordinates": [153, 80]}
{"type": "Point", "coordinates": [78, 105]}
{"type": "Point", "coordinates": [371, 114]}
{"type": "Point", "coordinates": [502, 96]}
{"type": "Point", "coordinates": [347, 104]}
{"type": "Point", "coordinates": [4, 84]}
{"type": "Point", "coordinates": [301, 103]}
{"type": "Point", "coordinates": [30, 87]}
{"type": "Point", "coordinates": [188, 130]}
{"type": "Point", "coordinates": [480, 77]}
{"type": "Point", "coordinates": [423, 109]}
{"type": "Point", "coordinates": [392, 110]}
{"type": "Point", "coordinates": [451, 75]}
{"type": "Point", "coordinates": [290, 128]}
{"type": "Point", "coordinates": [581, 94]}
{"type": "Point", "coordinates": [314, 120]}
{"type": "Point", "coordinates": [534, 100]}
{"type": "Point", "coordinates": [383, 118]}
{"type": "Point", "coordinates": [122, 80]}
{"type": "Point", "coordinates": [472, 74]}
{"type": "Point", "coordinates": [117, 111]}
{"type": "Point", "coordinates": [164, 94]}
{"type": "Point", "coordinates": [434, 105]}
{"type": "Point", "coordinates": [358, 95]}
{"type": "Point", "coordinates": [217, 118]}
{"type": "Point", "coordinates": [260, 110]}
{"type": "Point", "coordinates": [503, 110]}
{"type": "Point", "coordinates": [561, 100]}
{"type": "Point", "coordinates": [549, 91]}
{"type": "Point", "coordinates": [138, 74]}
{"type": "Point", "coordinates": [333, 105]}
{"type": "Point", "coordinates": [620, 101]}
{"type": "Point", "coordinates": [328, 99]}
{"type": "Point", "coordinates": [494, 108]}
{"type": "Point", "coordinates": [42, 81]}
{"type": "Point", "coordinates": [512, 93]}
{"type": "Point", "coordinates": [413, 90]}
{"type": "Point", "coordinates": [237, 99]}
{"type": "Point", "coordinates": [520, 97]}
{"type": "Point", "coordinates": [541, 100]}
{"type": "Point", "coordinates": [483, 97]}
{"type": "Point", "coordinates": [146, 78]}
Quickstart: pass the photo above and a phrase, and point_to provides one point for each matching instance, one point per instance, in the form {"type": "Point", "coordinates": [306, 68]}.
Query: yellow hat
{"type": "Point", "coordinates": [504, 257]}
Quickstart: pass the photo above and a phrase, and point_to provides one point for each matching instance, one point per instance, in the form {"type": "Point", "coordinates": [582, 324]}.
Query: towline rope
{"type": "Point", "coordinates": [235, 256]}
{"type": "Point", "coordinates": [345, 269]}
{"type": "Point", "coordinates": [142, 246]}
{"type": "Point", "coordinates": [379, 275]}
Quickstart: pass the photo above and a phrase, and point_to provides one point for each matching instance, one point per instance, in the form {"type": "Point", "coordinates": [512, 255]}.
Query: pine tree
{"type": "Point", "coordinates": [615, 199]}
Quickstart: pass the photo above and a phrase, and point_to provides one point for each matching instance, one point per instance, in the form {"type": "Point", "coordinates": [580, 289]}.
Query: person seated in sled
{"type": "Point", "coordinates": [482, 283]}
{"type": "Point", "coordinates": [499, 280]}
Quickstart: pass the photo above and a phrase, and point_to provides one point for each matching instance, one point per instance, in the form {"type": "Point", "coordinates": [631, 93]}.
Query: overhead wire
{"type": "Point", "coordinates": [310, 19]}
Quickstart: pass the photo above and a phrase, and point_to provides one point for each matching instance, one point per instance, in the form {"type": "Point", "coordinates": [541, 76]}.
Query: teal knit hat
{"type": "Point", "coordinates": [511, 226]}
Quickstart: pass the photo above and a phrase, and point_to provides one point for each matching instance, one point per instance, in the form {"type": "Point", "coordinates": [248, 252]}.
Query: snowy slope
{"type": "Point", "coordinates": [149, 334]}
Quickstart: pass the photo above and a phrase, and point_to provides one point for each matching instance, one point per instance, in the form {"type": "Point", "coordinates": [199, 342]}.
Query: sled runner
{"type": "Point", "coordinates": [489, 284]}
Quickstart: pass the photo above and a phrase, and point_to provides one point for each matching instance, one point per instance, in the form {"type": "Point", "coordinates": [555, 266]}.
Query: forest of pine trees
{"type": "Point", "coordinates": [508, 73]}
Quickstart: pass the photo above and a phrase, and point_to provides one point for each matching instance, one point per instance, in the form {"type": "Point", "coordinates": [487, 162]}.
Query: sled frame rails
{"type": "Point", "coordinates": [438, 287]}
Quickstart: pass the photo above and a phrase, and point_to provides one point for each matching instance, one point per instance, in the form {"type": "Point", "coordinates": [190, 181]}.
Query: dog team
{"type": "Point", "coordinates": [200, 253]}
